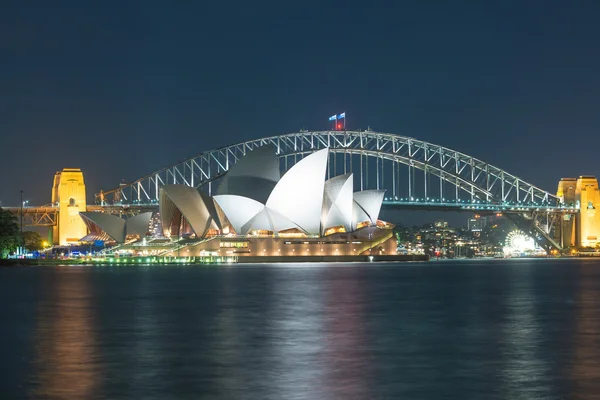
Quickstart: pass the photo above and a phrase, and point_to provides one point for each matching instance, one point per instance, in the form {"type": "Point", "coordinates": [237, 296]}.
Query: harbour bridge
{"type": "Point", "coordinates": [415, 174]}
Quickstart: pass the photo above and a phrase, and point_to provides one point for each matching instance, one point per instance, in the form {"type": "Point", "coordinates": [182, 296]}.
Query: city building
{"type": "Point", "coordinates": [476, 224]}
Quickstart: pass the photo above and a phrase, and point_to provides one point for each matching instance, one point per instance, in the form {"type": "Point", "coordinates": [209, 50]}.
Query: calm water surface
{"type": "Point", "coordinates": [520, 329]}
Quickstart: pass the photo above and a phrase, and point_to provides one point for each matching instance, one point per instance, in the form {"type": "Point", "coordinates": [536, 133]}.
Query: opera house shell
{"type": "Point", "coordinates": [259, 211]}
{"type": "Point", "coordinates": [111, 228]}
{"type": "Point", "coordinates": [255, 201]}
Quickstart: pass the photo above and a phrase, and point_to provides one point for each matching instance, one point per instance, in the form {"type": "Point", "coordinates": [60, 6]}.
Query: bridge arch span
{"type": "Point", "coordinates": [406, 167]}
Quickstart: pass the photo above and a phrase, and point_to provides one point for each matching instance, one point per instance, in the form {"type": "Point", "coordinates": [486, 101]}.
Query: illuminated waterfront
{"type": "Point", "coordinates": [475, 329]}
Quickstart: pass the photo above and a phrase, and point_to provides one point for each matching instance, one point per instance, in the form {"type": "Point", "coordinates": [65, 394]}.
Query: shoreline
{"type": "Point", "coordinates": [144, 261]}
{"type": "Point", "coordinates": [212, 260]}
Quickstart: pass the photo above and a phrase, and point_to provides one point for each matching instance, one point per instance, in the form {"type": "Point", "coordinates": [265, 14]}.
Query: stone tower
{"type": "Point", "coordinates": [68, 192]}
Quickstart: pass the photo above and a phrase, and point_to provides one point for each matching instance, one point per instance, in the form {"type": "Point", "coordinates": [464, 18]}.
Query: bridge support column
{"type": "Point", "coordinates": [566, 192]}
{"type": "Point", "coordinates": [583, 229]}
{"type": "Point", "coordinates": [588, 219]}
{"type": "Point", "coordinates": [69, 192]}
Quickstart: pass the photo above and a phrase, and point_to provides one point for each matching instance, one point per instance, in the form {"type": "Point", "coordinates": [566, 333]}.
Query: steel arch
{"type": "Point", "coordinates": [480, 180]}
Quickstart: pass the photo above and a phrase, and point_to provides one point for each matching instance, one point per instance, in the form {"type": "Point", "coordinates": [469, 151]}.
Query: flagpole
{"type": "Point", "coordinates": [345, 120]}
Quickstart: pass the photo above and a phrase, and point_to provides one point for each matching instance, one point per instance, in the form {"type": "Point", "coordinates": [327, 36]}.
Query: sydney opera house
{"type": "Point", "coordinates": [258, 212]}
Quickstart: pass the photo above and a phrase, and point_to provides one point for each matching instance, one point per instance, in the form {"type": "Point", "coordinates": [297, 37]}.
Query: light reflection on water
{"type": "Point", "coordinates": [525, 369]}
{"type": "Point", "coordinates": [586, 356]}
{"type": "Point", "coordinates": [347, 365]}
{"type": "Point", "coordinates": [65, 344]}
{"type": "Point", "coordinates": [495, 330]}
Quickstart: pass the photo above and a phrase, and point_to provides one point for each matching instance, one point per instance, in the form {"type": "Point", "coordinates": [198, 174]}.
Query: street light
{"type": "Point", "coordinates": [21, 218]}
{"type": "Point", "coordinates": [23, 203]}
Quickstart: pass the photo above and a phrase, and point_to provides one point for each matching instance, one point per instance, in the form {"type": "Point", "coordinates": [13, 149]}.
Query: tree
{"type": "Point", "coordinates": [9, 233]}
{"type": "Point", "coordinates": [33, 240]}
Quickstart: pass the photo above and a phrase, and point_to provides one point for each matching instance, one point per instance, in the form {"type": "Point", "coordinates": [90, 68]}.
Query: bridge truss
{"type": "Point", "coordinates": [36, 216]}
{"type": "Point", "coordinates": [375, 158]}
{"type": "Point", "coordinates": [412, 171]}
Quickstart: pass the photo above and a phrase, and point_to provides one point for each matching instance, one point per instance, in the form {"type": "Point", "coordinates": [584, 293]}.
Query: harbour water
{"type": "Point", "coordinates": [495, 329]}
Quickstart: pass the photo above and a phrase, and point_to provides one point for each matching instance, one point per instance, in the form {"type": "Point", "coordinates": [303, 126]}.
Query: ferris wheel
{"type": "Point", "coordinates": [519, 242]}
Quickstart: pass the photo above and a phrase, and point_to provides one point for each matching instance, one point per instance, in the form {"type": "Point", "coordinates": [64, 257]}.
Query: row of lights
{"type": "Point", "coordinates": [507, 203]}
{"type": "Point", "coordinates": [443, 200]}
{"type": "Point", "coordinates": [128, 260]}
{"type": "Point", "coordinates": [279, 250]}
{"type": "Point", "coordinates": [395, 198]}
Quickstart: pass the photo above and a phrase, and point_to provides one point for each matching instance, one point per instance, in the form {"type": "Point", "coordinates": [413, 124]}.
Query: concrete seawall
{"type": "Point", "coordinates": [313, 259]}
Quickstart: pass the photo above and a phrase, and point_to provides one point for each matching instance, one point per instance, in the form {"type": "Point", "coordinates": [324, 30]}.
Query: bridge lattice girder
{"type": "Point", "coordinates": [36, 216]}
{"type": "Point", "coordinates": [480, 180]}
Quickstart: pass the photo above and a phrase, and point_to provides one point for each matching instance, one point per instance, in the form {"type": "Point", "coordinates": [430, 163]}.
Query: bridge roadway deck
{"type": "Point", "coordinates": [36, 216]}
{"type": "Point", "coordinates": [479, 208]}
{"type": "Point", "coordinates": [47, 215]}
{"type": "Point", "coordinates": [410, 205]}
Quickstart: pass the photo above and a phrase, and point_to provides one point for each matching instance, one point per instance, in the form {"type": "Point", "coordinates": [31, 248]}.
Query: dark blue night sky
{"type": "Point", "coordinates": [125, 89]}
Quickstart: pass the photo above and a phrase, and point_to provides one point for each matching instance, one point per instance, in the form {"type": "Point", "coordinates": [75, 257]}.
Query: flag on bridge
{"type": "Point", "coordinates": [342, 116]}
{"type": "Point", "coordinates": [335, 118]}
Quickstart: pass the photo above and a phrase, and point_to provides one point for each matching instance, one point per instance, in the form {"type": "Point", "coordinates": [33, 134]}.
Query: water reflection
{"type": "Point", "coordinates": [586, 352]}
{"type": "Point", "coordinates": [493, 331]}
{"type": "Point", "coordinates": [296, 334]}
{"type": "Point", "coordinates": [65, 365]}
{"type": "Point", "coordinates": [289, 332]}
{"type": "Point", "coordinates": [146, 364]}
{"type": "Point", "coordinates": [525, 368]}
{"type": "Point", "coordinates": [267, 340]}
{"type": "Point", "coordinates": [227, 342]}
{"type": "Point", "coordinates": [347, 366]}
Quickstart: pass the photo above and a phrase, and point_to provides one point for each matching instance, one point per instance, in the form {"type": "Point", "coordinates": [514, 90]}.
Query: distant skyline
{"type": "Point", "coordinates": [126, 89]}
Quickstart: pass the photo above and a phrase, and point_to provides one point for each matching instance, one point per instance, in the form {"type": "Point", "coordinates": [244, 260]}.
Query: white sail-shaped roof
{"type": "Point", "coordinates": [268, 220]}
{"type": "Point", "coordinates": [245, 214]}
{"type": "Point", "coordinates": [368, 202]}
{"type": "Point", "coordinates": [358, 215]}
{"type": "Point", "coordinates": [337, 202]}
{"type": "Point", "coordinates": [99, 222]}
{"type": "Point", "coordinates": [238, 209]}
{"type": "Point", "coordinates": [298, 195]}
{"type": "Point", "coordinates": [253, 176]}
{"type": "Point", "coordinates": [115, 227]}
{"type": "Point", "coordinates": [181, 200]}
{"type": "Point", "coordinates": [138, 225]}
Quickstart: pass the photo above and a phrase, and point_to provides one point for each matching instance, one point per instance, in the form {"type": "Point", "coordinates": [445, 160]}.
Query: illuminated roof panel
{"type": "Point", "coordinates": [182, 200]}
{"type": "Point", "coordinates": [268, 220]}
{"type": "Point", "coordinates": [138, 225]}
{"type": "Point", "coordinates": [358, 215]}
{"type": "Point", "coordinates": [370, 202]}
{"type": "Point", "coordinates": [298, 195]}
{"type": "Point", "coordinates": [337, 202]}
{"type": "Point", "coordinates": [239, 210]}
{"type": "Point", "coordinates": [253, 176]}
{"type": "Point", "coordinates": [99, 222]}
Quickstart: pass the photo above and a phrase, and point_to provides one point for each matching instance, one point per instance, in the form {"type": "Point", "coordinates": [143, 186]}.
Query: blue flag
{"type": "Point", "coordinates": [333, 118]}
{"type": "Point", "coordinates": [342, 115]}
